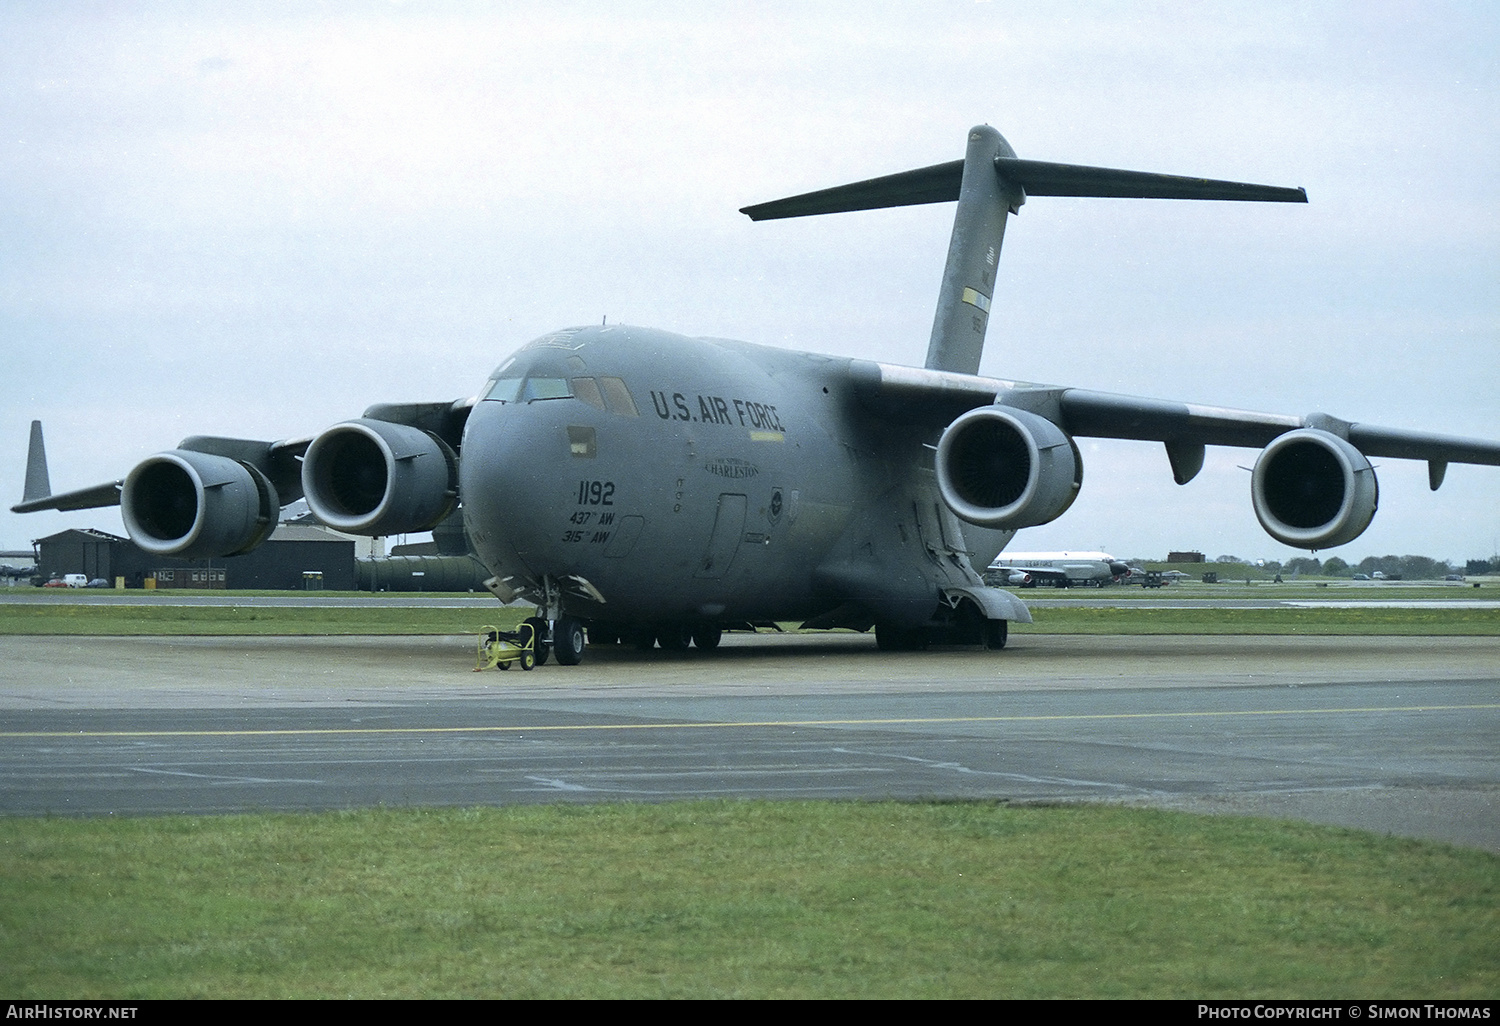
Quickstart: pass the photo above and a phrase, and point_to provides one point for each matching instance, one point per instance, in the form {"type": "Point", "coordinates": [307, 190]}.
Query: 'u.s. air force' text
{"type": "Point", "coordinates": [713, 409]}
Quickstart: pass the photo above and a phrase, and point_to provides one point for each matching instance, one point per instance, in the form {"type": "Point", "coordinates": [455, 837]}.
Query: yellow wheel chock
{"type": "Point", "coordinates": [499, 648]}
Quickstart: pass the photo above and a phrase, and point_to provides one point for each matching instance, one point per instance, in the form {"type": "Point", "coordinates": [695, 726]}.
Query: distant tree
{"type": "Point", "coordinates": [1407, 568]}
{"type": "Point", "coordinates": [1303, 565]}
{"type": "Point", "coordinates": [1228, 559]}
{"type": "Point", "coordinates": [1333, 566]}
{"type": "Point", "coordinates": [1423, 568]}
{"type": "Point", "coordinates": [1479, 567]}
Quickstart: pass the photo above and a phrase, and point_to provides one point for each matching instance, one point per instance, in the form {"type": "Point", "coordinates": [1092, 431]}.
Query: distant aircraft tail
{"type": "Point", "coordinates": [989, 183]}
{"type": "Point", "coordinates": [38, 484]}
{"type": "Point", "coordinates": [38, 491]}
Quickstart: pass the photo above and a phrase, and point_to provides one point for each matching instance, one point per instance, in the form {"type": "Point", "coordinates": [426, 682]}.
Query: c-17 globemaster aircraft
{"type": "Point", "coordinates": [645, 486]}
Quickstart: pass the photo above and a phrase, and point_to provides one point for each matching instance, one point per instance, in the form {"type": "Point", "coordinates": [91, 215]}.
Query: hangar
{"type": "Point", "coordinates": [279, 564]}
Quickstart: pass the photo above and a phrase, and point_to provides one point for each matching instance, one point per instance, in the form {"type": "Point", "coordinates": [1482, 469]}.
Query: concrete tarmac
{"type": "Point", "coordinates": [1396, 735]}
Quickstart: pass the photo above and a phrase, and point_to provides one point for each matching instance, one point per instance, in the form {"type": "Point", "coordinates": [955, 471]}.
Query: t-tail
{"type": "Point", "coordinates": [990, 183]}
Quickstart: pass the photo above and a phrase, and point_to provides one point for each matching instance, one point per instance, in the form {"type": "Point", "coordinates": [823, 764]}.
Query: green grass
{"type": "Point", "coordinates": [117, 620]}
{"type": "Point", "coordinates": [1368, 620]}
{"type": "Point", "coordinates": [111, 619]}
{"type": "Point", "coordinates": [739, 899]}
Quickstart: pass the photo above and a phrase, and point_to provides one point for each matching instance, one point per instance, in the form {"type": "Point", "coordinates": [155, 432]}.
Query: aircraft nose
{"type": "Point", "coordinates": [507, 477]}
{"type": "Point", "coordinates": [486, 464]}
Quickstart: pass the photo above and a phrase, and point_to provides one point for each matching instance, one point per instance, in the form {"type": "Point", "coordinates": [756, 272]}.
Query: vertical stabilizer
{"type": "Point", "coordinates": [38, 485]}
{"type": "Point", "coordinates": [990, 183]}
{"type": "Point", "coordinates": [984, 200]}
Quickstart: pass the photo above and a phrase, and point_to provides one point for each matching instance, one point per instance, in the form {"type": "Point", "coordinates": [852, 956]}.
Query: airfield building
{"type": "Point", "coordinates": [281, 563]}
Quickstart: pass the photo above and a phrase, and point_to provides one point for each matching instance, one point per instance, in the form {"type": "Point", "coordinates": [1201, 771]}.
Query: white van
{"type": "Point", "coordinates": [76, 580]}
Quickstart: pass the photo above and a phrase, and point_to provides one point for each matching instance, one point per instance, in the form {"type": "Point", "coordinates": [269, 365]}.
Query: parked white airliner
{"type": "Point", "coordinates": [1059, 569]}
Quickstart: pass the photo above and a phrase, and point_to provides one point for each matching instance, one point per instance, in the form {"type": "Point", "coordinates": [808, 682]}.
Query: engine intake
{"type": "Point", "coordinates": [1313, 490]}
{"type": "Point", "coordinates": [196, 505]}
{"type": "Point", "coordinates": [377, 478]}
{"type": "Point", "coordinates": [1005, 468]}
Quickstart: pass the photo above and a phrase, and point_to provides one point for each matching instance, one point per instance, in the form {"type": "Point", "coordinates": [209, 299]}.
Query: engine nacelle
{"type": "Point", "coordinates": [378, 478]}
{"type": "Point", "coordinates": [195, 505]}
{"type": "Point", "coordinates": [1313, 490]}
{"type": "Point", "coordinates": [1005, 468]}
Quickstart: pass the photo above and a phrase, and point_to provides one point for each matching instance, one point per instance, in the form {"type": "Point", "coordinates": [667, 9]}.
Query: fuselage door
{"type": "Point", "coordinates": [729, 527]}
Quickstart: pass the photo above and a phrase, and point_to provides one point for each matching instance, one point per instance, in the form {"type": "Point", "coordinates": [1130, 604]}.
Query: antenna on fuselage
{"type": "Point", "coordinates": [990, 183]}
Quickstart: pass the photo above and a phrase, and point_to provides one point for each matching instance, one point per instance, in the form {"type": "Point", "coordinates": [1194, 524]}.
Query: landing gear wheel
{"type": "Point", "coordinates": [995, 634]}
{"type": "Point", "coordinates": [707, 637]}
{"type": "Point", "coordinates": [539, 642]}
{"type": "Point", "coordinates": [674, 637]}
{"type": "Point", "coordinates": [568, 640]}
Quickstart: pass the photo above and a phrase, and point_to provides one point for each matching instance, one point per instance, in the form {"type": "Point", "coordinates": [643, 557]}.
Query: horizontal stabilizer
{"type": "Point", "coordinates": [1040, 178]}
{"type": "Point", "coordinates": [936, 184]}
{"type": "Point", "coordinates": [940, 183]}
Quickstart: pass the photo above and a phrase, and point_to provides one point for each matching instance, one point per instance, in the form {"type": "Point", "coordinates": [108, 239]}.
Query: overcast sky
{"type": "Point", "coordinates": [257, 219]}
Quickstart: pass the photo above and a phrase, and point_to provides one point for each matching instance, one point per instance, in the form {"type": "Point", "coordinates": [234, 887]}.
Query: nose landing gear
{"type": "Point", "coordinates": [557, 632]}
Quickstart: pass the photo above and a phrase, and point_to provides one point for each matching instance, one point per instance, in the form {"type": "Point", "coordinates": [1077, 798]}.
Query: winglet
{"type": "Point", "coordinates": [38, 485]}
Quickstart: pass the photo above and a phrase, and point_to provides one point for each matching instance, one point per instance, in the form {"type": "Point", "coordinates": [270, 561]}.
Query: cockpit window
{"type": "Point", "coordinates": [618, 397]}
{"type": "Point", "coordinates": [513, 388]}
{"type": "Point", "coordinates": [545, 388]}
{"type": "Point", "coordinates": [587, 389]}
{"type": "Point", "coordinates": [505, 389]}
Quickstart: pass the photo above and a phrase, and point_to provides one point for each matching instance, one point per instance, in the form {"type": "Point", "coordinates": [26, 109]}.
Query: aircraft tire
{"type": "Point", "coordinates": [539, 643]}
{"type": "Point", "coordinates": [674, 637]}
{"type": "Point", "coordinates": [568, 639]}
{"type": "Point", "coordinates": [996, 633]}
{"type": "Point", "coordinates": [708, 636]}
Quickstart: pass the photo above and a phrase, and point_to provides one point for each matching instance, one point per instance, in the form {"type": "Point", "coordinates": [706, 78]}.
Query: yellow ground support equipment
{"type": "Point", "coordinates": [499, 648]}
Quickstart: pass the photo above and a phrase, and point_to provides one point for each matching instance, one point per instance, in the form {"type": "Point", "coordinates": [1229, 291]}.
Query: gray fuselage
{"type": "Point", "coordinates": [703, 480]}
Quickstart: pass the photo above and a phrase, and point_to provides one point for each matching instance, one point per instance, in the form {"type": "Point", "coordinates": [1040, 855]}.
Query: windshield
{"type": "Point", "coordinates": [514, 387]}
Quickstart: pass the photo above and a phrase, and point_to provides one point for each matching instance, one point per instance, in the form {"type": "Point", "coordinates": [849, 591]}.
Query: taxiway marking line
{"type": "Point", "coordinates": [708, 725]}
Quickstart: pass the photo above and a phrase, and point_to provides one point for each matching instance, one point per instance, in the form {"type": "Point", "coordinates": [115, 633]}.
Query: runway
{"type": "Point", "coordinates": [1397, 735]}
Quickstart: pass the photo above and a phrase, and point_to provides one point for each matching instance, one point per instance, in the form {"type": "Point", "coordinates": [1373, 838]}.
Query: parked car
{"type": "Point", "coordinates": [1361, 577]}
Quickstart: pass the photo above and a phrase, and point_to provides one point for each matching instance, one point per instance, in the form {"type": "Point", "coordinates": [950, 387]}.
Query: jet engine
{"type": "Point", "coordinates": [1313, 490]}
{"type": "Point", "coordinates": [1005, 468]}
{"type": "Point", "coordinates": [378, 478]}
{"type": "Point", "coordinates": [196, 505]}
